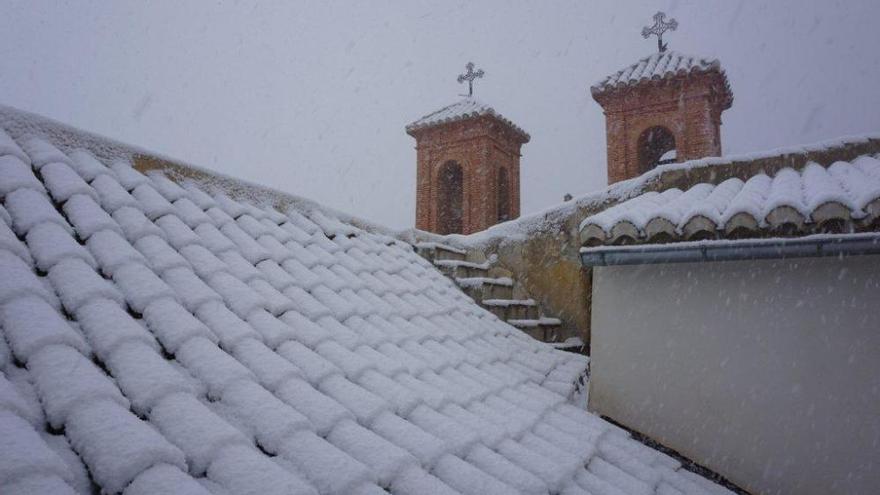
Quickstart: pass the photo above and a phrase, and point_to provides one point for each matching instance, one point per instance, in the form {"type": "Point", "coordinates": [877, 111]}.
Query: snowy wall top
{"type": "Point", "coordinates": [155, 338]}
{"type": "Point", "coordinates": [842, 198]}
{"type": "Point", "coordinates": [568, 216]}
{"type": "Point", "coordinates": [659, 66]}
{"type": "Point", "coordinates": [467, 108]}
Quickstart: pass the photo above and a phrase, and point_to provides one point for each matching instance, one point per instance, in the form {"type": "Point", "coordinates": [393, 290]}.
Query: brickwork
{"type": "Point", "coordinates": [480, 146]}
{"type": "Point", "coordinates": [688, 106]}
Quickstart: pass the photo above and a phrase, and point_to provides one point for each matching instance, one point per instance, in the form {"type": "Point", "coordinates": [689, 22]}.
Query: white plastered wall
{"type": "Point", "coordinates": [767, 372]}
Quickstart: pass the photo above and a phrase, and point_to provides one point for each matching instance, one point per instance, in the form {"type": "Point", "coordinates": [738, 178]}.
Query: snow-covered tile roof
{"type": "Point", "coordinates": [661, 65]}
{"type": "Point", "coordinates": [467, 108]}
{"type": "Point", "coordinates": [842, 198]}
{"type": "Point", "coordinates": [158, 338]}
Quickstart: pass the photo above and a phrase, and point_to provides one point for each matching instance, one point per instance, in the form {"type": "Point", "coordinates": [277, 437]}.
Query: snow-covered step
{"type": "Point", "coordinates": [437, 251]}
{"type": "Point", "coordinates": [544, 329]}
{"type": "Point", "coordinates": [534, 322]}
{"type": "Point", "coordinates": [480, 288]}
{"type": "Point", "coordinates": [462, 269]}
{"type": "Point", "coordinates": [571, 344]}
{"type": "Point", "coordinates": [513, 309]}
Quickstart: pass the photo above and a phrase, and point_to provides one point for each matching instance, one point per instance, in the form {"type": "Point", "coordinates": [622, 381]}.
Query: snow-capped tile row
{"type": "Point", "coordinates": [467, 108]}
{"type": "Point", "coordinates": [155, 338]}
{"type": "Point", "coordinates": [658, 66]}
{"type": "Point", "coordinates": [844, 197]}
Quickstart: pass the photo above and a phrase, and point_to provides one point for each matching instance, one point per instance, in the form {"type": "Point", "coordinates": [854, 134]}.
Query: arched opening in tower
{"type": "Point", "coordinates": [449, 199]}
{"type": "Point", "coordinates": [503, 195]}
{"type": "Point", "coordinates": [656, 147]}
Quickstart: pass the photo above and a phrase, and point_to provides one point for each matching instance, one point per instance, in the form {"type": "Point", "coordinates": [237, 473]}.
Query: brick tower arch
{"type": "Point", "coordinates": [503, 194]}
{"type": "Point", "coordinates": [449, 201]}
{"type": "Point", "coordinates": [653, 144]}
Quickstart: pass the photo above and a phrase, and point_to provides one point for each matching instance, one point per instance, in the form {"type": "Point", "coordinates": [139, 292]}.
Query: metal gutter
{"type": "Point", "coordinates": [752, 249]}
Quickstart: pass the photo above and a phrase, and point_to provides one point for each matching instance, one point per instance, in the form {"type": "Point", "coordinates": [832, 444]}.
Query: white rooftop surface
{"type": "Point", "coordinates": [657, 66]}
{"type": "Point", "coordinates": [466, 108]}
{"type": "Point", "coordinates": [853, 188]}
{"type": "Point", "coordinates": [161, 338]}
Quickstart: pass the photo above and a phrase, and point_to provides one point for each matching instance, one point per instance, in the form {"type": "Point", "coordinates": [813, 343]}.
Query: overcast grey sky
{"type": "Point", "coordinates": [312, 97]}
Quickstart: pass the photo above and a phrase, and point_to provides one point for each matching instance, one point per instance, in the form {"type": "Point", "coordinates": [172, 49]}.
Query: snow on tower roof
{"type": "Point", "coordinates": [467, 108]}
{"type": "Point", "coordinates": [841, 198]}
{"type": "Point", "coordinates": [662, 65]}
{"type": "Point", "coordinates": [160, 337]}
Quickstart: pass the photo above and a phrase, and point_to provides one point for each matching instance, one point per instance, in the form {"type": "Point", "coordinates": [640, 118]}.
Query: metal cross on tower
{"type": "Point", "coordinates": [470, 76]}
{"type": "Point", "coordinates": [660, 26]}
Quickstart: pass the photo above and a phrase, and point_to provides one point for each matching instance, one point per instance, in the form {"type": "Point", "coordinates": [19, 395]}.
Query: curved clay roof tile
{"type": "Point", "coordinates": [844, 197]}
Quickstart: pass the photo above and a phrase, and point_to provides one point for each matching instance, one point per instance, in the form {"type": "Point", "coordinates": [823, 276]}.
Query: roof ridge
{"type": "Point", "coordinates": [22, 124]}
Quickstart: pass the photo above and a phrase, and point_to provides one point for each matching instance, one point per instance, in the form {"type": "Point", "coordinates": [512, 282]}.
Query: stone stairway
{"type": "Point", "coordinates": [494, 289]}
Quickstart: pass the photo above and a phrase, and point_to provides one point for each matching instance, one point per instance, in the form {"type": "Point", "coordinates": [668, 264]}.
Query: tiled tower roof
{"type": "Point", "coordinates": [467, 108]}
{"type": "Point", "coordinates": [659, 66]}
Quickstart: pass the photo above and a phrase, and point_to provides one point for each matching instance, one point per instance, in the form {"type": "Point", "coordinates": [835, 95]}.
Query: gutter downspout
{"type": "Point", "coordinates": [839, 245]}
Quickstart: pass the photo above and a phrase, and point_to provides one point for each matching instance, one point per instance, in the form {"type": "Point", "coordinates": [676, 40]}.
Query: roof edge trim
{"type": "Point", "coordinates": [823, 245]}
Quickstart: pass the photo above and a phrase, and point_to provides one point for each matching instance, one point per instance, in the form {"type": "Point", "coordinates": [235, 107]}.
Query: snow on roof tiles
{"type": "Point", "coordinates": [467, 108]}
{"type": "Point", "coordinates": [212, 346]}
{"type": "Point", "coordinates": [843, 197]}
{"type": "Point", "coordinates": [659, 66]}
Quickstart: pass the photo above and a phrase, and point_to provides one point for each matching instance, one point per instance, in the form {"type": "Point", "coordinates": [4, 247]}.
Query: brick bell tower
{"type": "Point", "coordinates": [468, 157]}
{"type": "Point", "coordinates": [664, 108]}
